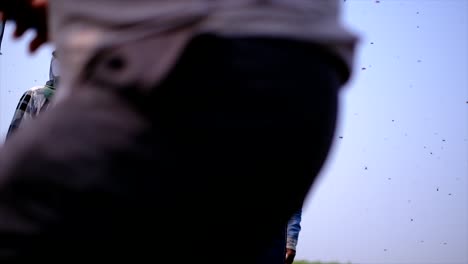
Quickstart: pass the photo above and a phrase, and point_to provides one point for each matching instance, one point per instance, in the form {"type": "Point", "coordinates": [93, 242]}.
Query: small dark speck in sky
{"type": "Point", "coordinates": [341, 137]}
{"type": "Point", "coordinates": [422, 241]}
{"type": "Point", "coordinates": [365, 168]}
{"type": "Point", "coordinates": [419, 60]}
{"type": "Point", "coordinates": [409, 201]}
{"type": "Point", "coordinates": [412, 219]}
{"type": "Point", "coordinates": [437, 188]}
{"type": "Point", "coordinates": [393, 120]}
{"type": "Point", "coordinates": [445, 243]}
{"type": "Point", "coordinates": [385, 249]}
{"type": "Point", "coordinates": [372, 43]}
{"type": "Point", "coordinates": [443, 140]}
{"type": "Point", "coordinates": [363, 68]}
{"type": "Point", "coordinates": [450, 194]}
{"type": "Point", "coordinates": [431, 153]}
{"type": "Point", "coordinates": [389, 179]}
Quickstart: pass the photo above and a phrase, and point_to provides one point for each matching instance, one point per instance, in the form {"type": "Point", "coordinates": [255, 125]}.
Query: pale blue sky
{"type": "Point", "coordinates": [404, 118]}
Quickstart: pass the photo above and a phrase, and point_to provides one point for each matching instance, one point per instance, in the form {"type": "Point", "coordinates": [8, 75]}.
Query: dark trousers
{"type": "Point", "coordinates": [208, 166]}
{"type": "Point", "coordinates": [276, 252]}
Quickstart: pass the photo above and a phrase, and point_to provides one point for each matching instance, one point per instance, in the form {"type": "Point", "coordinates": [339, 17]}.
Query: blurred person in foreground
{"type": "Point", "coordinates": [176, 124]}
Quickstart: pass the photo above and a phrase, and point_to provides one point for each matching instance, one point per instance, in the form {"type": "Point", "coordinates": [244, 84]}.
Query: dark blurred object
{"type": "Point", "coordinates": [108, 184]}
{"type": "Point", "coordinates": [27, 14]}
{"type": "Point", "coordinates": [176, 126]}
{"type": "Point", "coordinates": [2, 31]}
